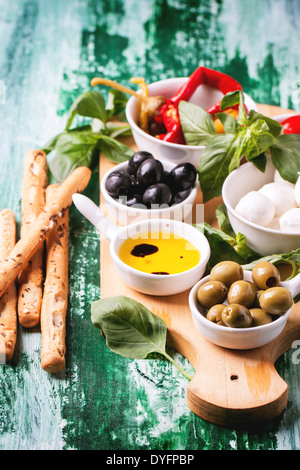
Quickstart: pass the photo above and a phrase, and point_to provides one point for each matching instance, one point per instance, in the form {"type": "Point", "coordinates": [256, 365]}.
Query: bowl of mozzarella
{"type": "Point", "coordinates": [264, 207]}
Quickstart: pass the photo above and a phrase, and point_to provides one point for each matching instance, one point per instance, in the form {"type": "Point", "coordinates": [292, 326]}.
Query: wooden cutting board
{"type": "Point", "coordinates": [229, 387]}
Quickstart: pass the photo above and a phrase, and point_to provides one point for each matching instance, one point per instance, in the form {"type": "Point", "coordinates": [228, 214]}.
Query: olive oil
{"type": "Point", "coordinates": [159, 253]}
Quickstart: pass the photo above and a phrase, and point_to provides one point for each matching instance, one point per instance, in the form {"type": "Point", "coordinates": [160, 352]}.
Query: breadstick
{"type": "Point", "coordinates": [55, 297]}
{"type": "Point", "coordinates": [8, 302]}
{"type": "Point", "coordinates": [33, 201]}
{"type": "Point", "coordinates": [28, 245]}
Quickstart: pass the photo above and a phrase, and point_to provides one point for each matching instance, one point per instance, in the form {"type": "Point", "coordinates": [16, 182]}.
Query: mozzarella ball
{"type": "Point", "coordinates": [278, 179]}
{"type": "Point", "coordinates": [290, 221]}
{"type": "Point", "coordinates": [256, 208]}
{"type": "Point", "coordinates": [281, 195]}
{"type": "Point", "coordinates": [297, 192]}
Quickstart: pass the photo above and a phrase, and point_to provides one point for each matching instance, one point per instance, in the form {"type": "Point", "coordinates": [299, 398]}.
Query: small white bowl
{"type": "Point", "coordinates": [205, 96]}
{"type": "Point", "coordinates": [234, 338]}
{"type": "Point", "coordinates": [282, 117]}
{"type": "Point", "coordinates": [124, 215]}
{"type": "Point", "coordinates": [263, 240]}
{"type": "Point", "coordinates": [155, 284]}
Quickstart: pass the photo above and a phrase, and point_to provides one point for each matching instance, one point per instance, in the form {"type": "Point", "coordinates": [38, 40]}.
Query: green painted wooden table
{"type": "Point", "coordinates": [49, 52]}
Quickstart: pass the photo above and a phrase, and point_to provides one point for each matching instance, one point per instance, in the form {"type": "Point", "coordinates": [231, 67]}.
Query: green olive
{"type": "Point", "coordinates": [276, 300]}
{"type": "Point", "coordinates": [260, 317]}
{"type": "Point", "coordinates": [265, 275]}
{"type": "Point", "coordinates": [242, 292]}
{"type": "Point", "coordinates": [211, 293]}
{"type": "Point", "coordinates": [227, 272]}
{"type": "Point", "coordinates": [236, 316]}
{"type": "Point", "coordinates": [214, 314]}
{"type": "Point", "coordinates": [256, 300]}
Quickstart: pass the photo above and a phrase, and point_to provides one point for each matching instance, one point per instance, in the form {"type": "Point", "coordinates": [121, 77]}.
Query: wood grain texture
{"type": "Point", "coordinates": [229, 387]}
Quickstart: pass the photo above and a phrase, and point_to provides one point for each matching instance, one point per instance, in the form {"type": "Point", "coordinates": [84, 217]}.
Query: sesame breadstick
{"type": "Point", "coordinates": [33, 201]}
{"type": "Point", "coordinates": [28, 245]}
{"type": "Point", "coordinates": [55, 298]}
{"type": "Point", "coordinates": [8, 302]}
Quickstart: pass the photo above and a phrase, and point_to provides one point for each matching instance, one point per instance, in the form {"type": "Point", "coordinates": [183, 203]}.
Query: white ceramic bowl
{"type": "Point", "coordinates": [124, 215]}
{"type": "Point", "coordinates": [263, 240]}
{"type": "Point", "coordinates": [234, 338]}
{"type": "Point", "coordinates": [155, 284]}
{"type": "Point", "coordinates": [205, 96]}
{"type": "Point", "coordinates": [282, 117]}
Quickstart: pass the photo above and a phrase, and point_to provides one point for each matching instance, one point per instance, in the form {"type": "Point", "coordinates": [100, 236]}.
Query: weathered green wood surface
{"type": "Point", "coordinates": [49, 51]}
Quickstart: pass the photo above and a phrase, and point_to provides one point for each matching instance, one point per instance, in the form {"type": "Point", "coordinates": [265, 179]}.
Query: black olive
{"type": "Point", "coordinates": [181, 196]}
{"type": "Point", "coordinates": [135, 161]}
{"type": "Point", "coordinates": [137, 187]}
{"type": "Point", "coordinates": [157, 194]}
{"type": "Point", "coordinates": [150, 172]}
{"type": "Point", "coordinates": [118, 184]}
{"type": "Point", "coordinates": [166, 178]}
{"type": "Point", "coordinates": [183, 176]}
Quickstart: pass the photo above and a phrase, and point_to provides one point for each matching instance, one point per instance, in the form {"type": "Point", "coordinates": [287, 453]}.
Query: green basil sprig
{"type": "Point", "coordinates": [130, 329]}
{"type": "Point", "coordinates": [80, 146]}
{"type": "Point", "coordinates": [226, 246]}
{"type": "Point", "coordinates": [253, 136]}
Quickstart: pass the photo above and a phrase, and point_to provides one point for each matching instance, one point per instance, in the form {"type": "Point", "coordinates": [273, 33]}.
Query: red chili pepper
{"type": "Point", "coordinates": [168, 113]}
{"type": "Point", "coordinates": [291, 125]}
{"type": "Point", "coordinates": [216, 108]}
{"type": "Point", "coordinates": [203, 75]}
{"type": "Point", "coordinates": [175, 136]}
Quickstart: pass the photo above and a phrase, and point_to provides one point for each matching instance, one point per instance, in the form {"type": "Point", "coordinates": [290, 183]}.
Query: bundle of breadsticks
{"type": "Point", "coordinates": [34, 271]}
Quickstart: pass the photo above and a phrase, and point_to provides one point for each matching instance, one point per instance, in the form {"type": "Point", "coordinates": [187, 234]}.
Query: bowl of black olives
{"type": "Point", "coordinates": [239, 309]}
{"type": "Point", "coordinates": [145, 187]}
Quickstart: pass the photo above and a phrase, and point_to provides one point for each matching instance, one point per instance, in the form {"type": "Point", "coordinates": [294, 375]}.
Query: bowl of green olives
{"type": "Point", "coordinates": [239, 309]}
{"type": "Point", "coordinates": [145, 187]}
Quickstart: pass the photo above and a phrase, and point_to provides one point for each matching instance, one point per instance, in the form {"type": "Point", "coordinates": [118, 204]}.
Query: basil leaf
{"type": "Point", "coordinates": [115, 130]}
{"type": "Point", "coordinates": [225, 247]}
{"type": "Point", "coordinates": [51, 144]}
{"type": "Point", "coordinates": [223, 220]}
{"type": "Point", "coordinates": [285, 156]}
{"type": "Point", "coordinates": [115, 151]}
{"type": "Point", "coordinates": [256, 139]}
{"type": "Point", "coordinates": [260, 162]}
{"type": "Point", "coordinates": [230, 124]}
{"type": "Point", "coordinates": [274, 126]}
{"type": "Point", "coordinates": [89, 104]}
{"type": "Point", "coordinates": [116, 103]}
{"type": "Point", "coordinates": [242, 116]}
{"type": "Point", "coordinates": [74, 149]}
{"type": "Point", "coordinates": [196, 123]}
{"type": "Point", "coordinates": [130, 329]}
{"type": "Point", "coordinates": [221, 246]}
{"type": "Point", "coordinates": [243, 249]}
{"type": "Point", "coordinates": [230, 99]}
{"type": "Point", "coordinates": [214, 164]}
